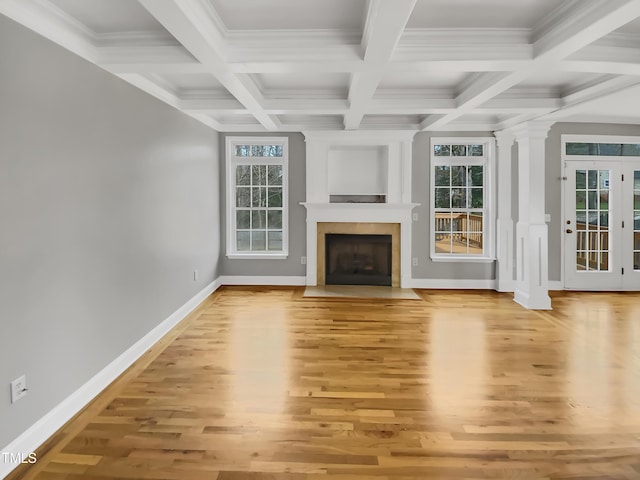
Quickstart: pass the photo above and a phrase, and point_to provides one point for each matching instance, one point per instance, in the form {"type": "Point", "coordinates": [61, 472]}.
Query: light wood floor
{"type": "Point", "coordinates": [262, 384]}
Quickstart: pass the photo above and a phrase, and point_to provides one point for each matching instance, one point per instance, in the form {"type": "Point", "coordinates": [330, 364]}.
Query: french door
{"type": "Point", "coordinates": [602, 224]}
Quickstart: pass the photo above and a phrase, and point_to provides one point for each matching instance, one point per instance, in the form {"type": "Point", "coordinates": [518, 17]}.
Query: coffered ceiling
{"type": "Point", "coordinates": [289, 65]}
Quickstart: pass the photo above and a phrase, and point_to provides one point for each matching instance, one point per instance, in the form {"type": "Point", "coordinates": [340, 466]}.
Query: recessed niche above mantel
{"type": "Point", "coordinates": [375, 164]}
{"type": "Point", "coordinates": [358, 170]}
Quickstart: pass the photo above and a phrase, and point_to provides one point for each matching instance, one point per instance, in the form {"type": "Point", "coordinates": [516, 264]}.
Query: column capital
{"type": "Point", "coordinates": [536, 129]}
{"type": "Point", "coordinates": [504, 138]}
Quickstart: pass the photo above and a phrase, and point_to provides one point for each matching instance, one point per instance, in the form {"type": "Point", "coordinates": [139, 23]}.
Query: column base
{"type": "Point", "coordinates": [532, 302]}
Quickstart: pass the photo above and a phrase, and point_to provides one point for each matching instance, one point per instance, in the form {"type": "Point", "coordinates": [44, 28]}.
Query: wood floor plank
{"type": "Point", "coordinates": [261, 383]}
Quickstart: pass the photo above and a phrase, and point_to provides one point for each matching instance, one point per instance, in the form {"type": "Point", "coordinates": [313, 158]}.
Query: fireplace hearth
{"type": "Point", "coordinates": [358, 259]}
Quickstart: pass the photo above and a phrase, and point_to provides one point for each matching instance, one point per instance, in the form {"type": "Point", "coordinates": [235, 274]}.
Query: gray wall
{"type": "Point", "coordinates": [297, 215]}
{"type": "Point", "coordinates": [421, 245]}
{"type": "Point", "coordinates": [553, 173]}
{"type": "Point", "coordinates": [108, 202]}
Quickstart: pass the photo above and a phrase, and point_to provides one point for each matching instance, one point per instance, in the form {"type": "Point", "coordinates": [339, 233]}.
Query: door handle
{"type": "Point", "coordinates": [568, 230]}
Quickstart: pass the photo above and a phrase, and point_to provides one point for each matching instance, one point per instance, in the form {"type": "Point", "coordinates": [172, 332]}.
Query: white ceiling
{"type": "Point", "coordinates": [288, 65]}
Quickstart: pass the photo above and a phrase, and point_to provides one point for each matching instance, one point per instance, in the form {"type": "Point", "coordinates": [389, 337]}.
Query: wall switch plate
{"type": "Point", "coordinates": [414, 261]}
{"type": "Point", "coordinates": [303, 260]}
{"type": "Point", "coordinates": [195, 275]}
{"type": "Point", "coordinates": [18, 388]}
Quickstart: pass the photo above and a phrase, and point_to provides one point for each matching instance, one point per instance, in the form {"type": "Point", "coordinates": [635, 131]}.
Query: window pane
{"type": "Point", "coordinates": [636, 200]}
{"type": "Point", "coordinates": [275, 241]}
{"type": "Point", "coordinates": [442, 199]}
{"type": "Point", "coordinates": [581, 200]}
{"type": "Point", "coordinates": [243, 150]}
{"type": "Point", "coordinates": [636, 240]}
{"type": "Point", "coordinates": [475, 222]}
{"type": "Point", "coordinates": [259, 174]}
{"type": "Point", "coordinates": [476, 197]}
{"type": "Point", "coordinates": [458, 150]}
{"type": "Point", "coordinates": [274, 219]}
{"type": "Point", "coordinates": [475, 244]}
{"type": "Point", "coordinates": [458, 198]}
{"type": "Point", "coordinates": [258, 241]}
{"type": "Point", "coordinates": [275, 174]}
{"type": "Point", "coordinates": [581, 179]}
{"type": "Point", "coordinates": [275, 197]}
{"type": "Point", "coordinates": [604, 149]}
{"type": "Point", "coordinates": [441, 150]}
{"type": "Point", "coordinates": [243, 219]}
{"type": "Point", "coordinates": [259, 150]}
{"type": "Point", "coordinates": [242, 241]}
{"type": "Point", "coordinates": [442, 176]}
{"type": "Point", "coordinates": [593, 179]}
{"type": "Point", "coordinates": [243, 197]}
{"type": "Point", "coordinates": [258, 219]}
{"type": "Point", "coordinates": [636, 180]}
{"type": "Point", "coordinates": [258, 197]}
{"type": "Point", "coordinates": [443, 243]}
{"type": "Point", "coordinates": [443, 221]}
{"type": "Point", "coordinates": [581, 220]}
{"type": "Point", "coordinates": [459, 176]}
{"type": "Point", "coordinates": [604, 201]}
{"type": "Point", "coordinates": [476, 175]}
{"type": "Point", "coordinates": [475, 150]}
{"type": "Point", "coordinates": [459, 222]}
{"type": "Point", "coordinates": [604, 179]}
{"type": "Point", "coordinates": [243, 175]}
{"type": "Point", "coordinates": [593, 200]}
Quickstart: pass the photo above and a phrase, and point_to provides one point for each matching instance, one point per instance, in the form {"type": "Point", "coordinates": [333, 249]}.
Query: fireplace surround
{"type": "Point", "coordinates": [355, 164]}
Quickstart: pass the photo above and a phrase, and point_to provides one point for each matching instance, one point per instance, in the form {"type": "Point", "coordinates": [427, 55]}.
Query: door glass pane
{"type": "Point", "coordinates": [592, 220]}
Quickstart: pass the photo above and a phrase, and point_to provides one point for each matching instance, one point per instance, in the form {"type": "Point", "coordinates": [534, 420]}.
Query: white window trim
{"type": "Point", "coordinates": [231, 161]}
{"type": "Point", "coordinates": [488, 159]}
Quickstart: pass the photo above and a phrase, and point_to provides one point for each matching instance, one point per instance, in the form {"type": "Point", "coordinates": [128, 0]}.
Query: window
{"type": "Point", "coordinates": [460, 199]}
{"type": "Point", "coordinates": [257, 206]}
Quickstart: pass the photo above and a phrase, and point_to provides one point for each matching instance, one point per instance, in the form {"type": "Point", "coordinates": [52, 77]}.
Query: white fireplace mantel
{"type": "Point", "coordinates": [390, 170]}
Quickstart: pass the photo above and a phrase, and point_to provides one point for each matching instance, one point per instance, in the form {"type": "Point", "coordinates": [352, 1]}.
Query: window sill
{"type": "Point", "coordinates": [461, 259]}
{"type": "Point", "coordinates": [257, 256]}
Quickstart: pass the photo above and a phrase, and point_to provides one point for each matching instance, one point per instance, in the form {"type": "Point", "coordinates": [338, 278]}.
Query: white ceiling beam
{"type": "Point", "coordinates": [401, 105]}
{"type": "Point", "coordinates": [173, 59]}
{"type": "Point", "coordinates": [384, 26]}
{"type": "Point", "coordinates": [575, 100]}
{"type": "Point", "coordinates": [192, 23]}
{"type": "Point", "coordinates": [582, 24]}
{"type": "Point", "coordinates": [167, 96]}
{"type": "Point", "coordinates": [604, 67]}
{"type": "Point", "coordinates": [52, 23]}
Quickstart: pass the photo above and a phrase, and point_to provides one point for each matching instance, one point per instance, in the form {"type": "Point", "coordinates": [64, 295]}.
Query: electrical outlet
{"type": "Point", "coordinates": [195, 275]}
{"type": "Point", "coordinates": [414, 261]}
{"type": "Point", "coordinates": [303, 260]}
{"type": "Point", "coordinates": [18, 388]}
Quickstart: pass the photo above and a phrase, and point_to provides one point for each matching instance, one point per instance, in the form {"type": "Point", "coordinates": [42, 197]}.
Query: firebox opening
{"type": "Point", "coordinates": [354, 259]}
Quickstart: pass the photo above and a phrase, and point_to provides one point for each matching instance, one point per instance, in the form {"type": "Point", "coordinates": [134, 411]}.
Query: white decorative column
{"type": "Point", "coordinates": [532, 256]}
{"type": "Point", "coordinates": [504, 223]}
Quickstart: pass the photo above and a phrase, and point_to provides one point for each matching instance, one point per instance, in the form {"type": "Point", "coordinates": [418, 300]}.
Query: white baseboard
{"type": "Point", "coordinates": [44, 428]}
{"type": "Point", "coordinates": [262, 280]}
{"type": "Point", "coordinates": [452, 284]}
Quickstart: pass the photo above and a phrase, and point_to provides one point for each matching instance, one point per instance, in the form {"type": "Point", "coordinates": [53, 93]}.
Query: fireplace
{"type": "Point", "coordinates": [352, 259]}
{"type": "Point", "coordinates": [369, 252]}
{"type": "Point", "coordinates": [359, 183]}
